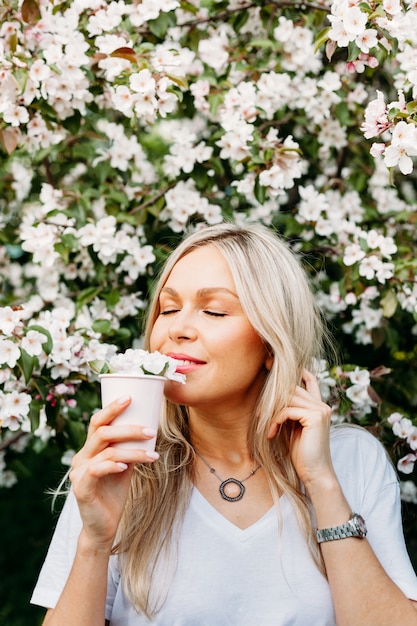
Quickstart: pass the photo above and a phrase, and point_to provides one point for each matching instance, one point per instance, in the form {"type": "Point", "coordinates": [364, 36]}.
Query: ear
{"type": "Point", "coordinates": [269, 360]}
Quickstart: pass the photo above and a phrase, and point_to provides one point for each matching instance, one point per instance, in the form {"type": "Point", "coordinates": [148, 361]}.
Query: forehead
{"type": "Point", "coordinates": [202, 268]}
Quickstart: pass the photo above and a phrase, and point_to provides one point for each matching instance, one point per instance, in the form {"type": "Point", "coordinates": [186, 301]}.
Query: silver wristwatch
{"type": "Point", "coordinates": [355, 527]}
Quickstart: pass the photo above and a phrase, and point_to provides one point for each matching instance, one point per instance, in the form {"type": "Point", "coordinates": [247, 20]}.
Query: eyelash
{"type": "Point", "coordinates": [215, 314]}
{"type": "Point", "coordinates": [212, 313]}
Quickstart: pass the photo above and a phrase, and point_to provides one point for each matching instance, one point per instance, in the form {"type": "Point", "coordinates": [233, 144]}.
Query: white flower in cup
{"type": "Point", "coordinates": [139, 362]}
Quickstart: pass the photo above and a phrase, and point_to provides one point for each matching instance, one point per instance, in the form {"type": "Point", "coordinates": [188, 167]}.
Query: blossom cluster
{"type": "Point", "coordinates": [348, 391]}
{"type": "Point", "coordinates": [124, 124]}
{"type": "Point", "coordinates": [140, 362]}
{"type": "Point", "coordinates": [404, 428]}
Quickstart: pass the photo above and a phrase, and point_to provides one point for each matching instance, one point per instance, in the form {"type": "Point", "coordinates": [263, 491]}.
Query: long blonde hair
{"type": "Point", "coordinates": [275, 295]}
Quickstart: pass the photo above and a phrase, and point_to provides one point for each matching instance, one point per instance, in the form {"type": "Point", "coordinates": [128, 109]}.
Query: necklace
{"type": "Point", "coordinates": [230, 489]}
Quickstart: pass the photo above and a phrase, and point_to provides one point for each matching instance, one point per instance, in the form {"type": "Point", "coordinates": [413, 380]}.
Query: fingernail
{"type": "Point", "coordinates": [152, 455]}
{"type": "Point", "coordinates": [149, 432]}
{"type": "Point", "coordinates": [123, 400]}
{"type": "Point", "coordinates": [122, 466]}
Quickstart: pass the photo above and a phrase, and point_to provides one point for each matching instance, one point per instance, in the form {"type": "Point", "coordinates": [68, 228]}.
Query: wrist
{"type": "Point", "coordinates": [354, 527]}
{"type": "Point", "coordinates": [329, 503]}
{"type": "Point", "coordinates": [91, 548]}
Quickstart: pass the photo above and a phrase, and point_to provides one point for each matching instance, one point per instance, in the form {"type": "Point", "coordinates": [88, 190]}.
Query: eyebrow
{"type": "Point", "coordinates": [203, 293]}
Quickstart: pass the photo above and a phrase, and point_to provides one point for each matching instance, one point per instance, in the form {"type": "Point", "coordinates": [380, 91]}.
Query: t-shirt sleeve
{"type": "Point", "coordinates": [371, 487]}
{"type": "Point", "coordinates": [60, 556]}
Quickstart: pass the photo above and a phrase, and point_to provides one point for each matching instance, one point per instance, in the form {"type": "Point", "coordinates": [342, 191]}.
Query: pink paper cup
{"type": "Point", "coordinates": [146, 392]}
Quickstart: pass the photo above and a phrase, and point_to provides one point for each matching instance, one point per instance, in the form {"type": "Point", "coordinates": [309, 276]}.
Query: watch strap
{"type": "Point", "coordinates": [354, 527]}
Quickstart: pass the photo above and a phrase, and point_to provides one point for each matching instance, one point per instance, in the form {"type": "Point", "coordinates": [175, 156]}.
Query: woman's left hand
{"type": "Point", "coordinates": [310, 449]}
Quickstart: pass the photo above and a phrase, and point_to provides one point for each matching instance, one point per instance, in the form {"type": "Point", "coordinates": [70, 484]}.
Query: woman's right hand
{"type": "Point", "coordinates": [101, 473]}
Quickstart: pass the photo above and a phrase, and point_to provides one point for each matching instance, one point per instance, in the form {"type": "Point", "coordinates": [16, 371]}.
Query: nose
{"type": "Point", "coordinates": [182, 326]}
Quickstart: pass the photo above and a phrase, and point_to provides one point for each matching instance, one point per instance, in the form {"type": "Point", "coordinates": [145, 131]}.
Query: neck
{"type": "Point", "coordinates": [220, 439]}
{"type": "Point", "coordinates": [226, 447]}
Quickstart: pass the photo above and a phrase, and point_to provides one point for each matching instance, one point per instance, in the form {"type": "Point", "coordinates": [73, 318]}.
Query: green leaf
{"type": "Point", "coordinates": [27, 363]}
{"type": "Point", "coordinates": [240, 20]}
{"type": "Point", "coordinates": [63, 251]}
{"type": "Point", "coordinates": [181, 81]}
{"type": "Point", "coordinates": [343, 113]}
{"type": "Point", "coordinates": [121, 335]}
{"type": "Point", "coordinates": [87, 295]}
{"type": "Point", "coordinates": [76, 432]}
{"type": "Point", "coordinates": [155, 208]}
{"type": "Point", "coordinates": [215, 101]}
{"type": "Point", "coordinates": [99, 367]}
{"type": "Point", "coordinates": [364, 7]}
{"type": "Point", "coordinates": [160, 25]}
{"type": "Point", "coordinates": [102, 326]}
{"type": "Point", "coordinates": [412, 107]}
{"type": "Point", "coordinates": [263, 43]}
{"type": "Point", "coordinates": [119, 197]}
{"type": "Point", "coordinates": [187, 6]}
{"type": "Point", "coordinates": [70, 241]}
{"type": "Point", "coordinates": [321, 38]}
{"type": "Point", "coordinates": [259, 191]}
{"type": "Point", "coordinates": [112, 298]}
{"type": "Point", "coordinates": [34, 414]}
{"type": "Point", "coordinates": [73, 123]}
{"type": "Point", "coordinates": [354, 51]}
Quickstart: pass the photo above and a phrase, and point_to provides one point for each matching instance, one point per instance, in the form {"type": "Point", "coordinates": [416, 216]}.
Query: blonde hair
{"type": "Point", "coordinates": [275, 295]}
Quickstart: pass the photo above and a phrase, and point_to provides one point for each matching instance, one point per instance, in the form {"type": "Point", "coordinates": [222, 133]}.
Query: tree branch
{"type": "Point", "coordinates": [10, 441]}
{"type": "Point", "coordinates": [285, 4]}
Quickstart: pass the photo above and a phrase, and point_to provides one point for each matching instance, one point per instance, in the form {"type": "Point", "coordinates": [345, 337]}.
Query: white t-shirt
{"type": "Point", "coordinates": [263, 575]}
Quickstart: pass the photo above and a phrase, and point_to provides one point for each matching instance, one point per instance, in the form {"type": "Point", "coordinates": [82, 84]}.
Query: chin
{"type": "Point", "coordinates": [174, 393]}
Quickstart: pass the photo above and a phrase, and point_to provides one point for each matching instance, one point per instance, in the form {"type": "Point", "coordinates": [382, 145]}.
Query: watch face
{"type": "Point", "coordinates": [360, 523]}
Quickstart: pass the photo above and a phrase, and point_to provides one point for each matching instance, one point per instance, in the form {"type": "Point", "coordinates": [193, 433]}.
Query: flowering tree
{"type": "Point", "coordinates": [122, 124]}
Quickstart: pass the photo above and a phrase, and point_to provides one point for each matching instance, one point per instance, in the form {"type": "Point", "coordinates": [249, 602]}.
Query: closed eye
{"type": "Point", "coordinates": [215, 314]}
{"type": "Point", "coordinates": [169, 311]}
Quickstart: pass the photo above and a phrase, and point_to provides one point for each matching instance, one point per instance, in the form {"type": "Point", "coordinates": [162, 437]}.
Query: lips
{"type": "Point", "coordinates": [186, 363]}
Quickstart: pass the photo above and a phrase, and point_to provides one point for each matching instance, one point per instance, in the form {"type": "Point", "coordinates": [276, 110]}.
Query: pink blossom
{"type": "Point", "coordinates": [377, 149]}
{"type": "Point", "coordinates": [394, 418]}
{"type": "Point", "coordinates": [403, 429]}
{"type": "Point", "coordinates": [376, 119]}
{"type": "Point", "coordinates": [406, 464]}
{"type": "Point", "coordinates": [367, 39]}
{"type": "Point", "coordinates": [412, 439]}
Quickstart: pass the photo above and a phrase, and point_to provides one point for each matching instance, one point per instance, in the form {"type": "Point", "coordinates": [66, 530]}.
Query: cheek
{"type": "Point", "coordinates": [155, 338]}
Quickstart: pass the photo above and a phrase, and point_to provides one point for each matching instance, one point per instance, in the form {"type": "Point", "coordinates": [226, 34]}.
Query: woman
{"type": "Point", "coordinates": [220, 529]}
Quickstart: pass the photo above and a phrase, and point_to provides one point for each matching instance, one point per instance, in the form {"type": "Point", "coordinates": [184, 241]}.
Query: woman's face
{"type": "Point", "coordinates": [202, 325]}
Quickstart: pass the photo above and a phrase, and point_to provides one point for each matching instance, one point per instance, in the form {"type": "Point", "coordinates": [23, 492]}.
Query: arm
{"type": "Point", "coordinates": [362, 591]}
{"type": "Point", "coordinates": [83, 599]}
{"type": "Point", "coordinates": [100, 478]}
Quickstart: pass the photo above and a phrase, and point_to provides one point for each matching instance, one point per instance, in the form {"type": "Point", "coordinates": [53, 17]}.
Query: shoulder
{"type": "Point", "coordinates": [356, 452]}
{"type": "Point", "coordinates": [355, 438]}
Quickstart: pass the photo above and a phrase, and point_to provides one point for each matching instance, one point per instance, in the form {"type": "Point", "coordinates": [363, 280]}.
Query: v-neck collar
{"type": "Point", "coordinates": [212, 516]}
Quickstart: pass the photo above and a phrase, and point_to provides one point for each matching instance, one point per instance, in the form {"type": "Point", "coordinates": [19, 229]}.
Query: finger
{"type": "Point", "coordinates": [311, 384]}
{"type": "Point", "coordinates": [104, 436]}
{"type": "Point", "coordinates": [109, 461]}
{"type": "Point", "coordinates": [273, 430]}
{"type": "Point", "coordinates": [308, 417]}
{"type": "Point", "coordinates": [109, 412]}
{"type": "Point", "coordinates": [99, 469]}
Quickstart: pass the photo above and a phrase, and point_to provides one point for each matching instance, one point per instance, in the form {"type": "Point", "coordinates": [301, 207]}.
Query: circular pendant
{"type": "Point", "coordinates": [232, 490]}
